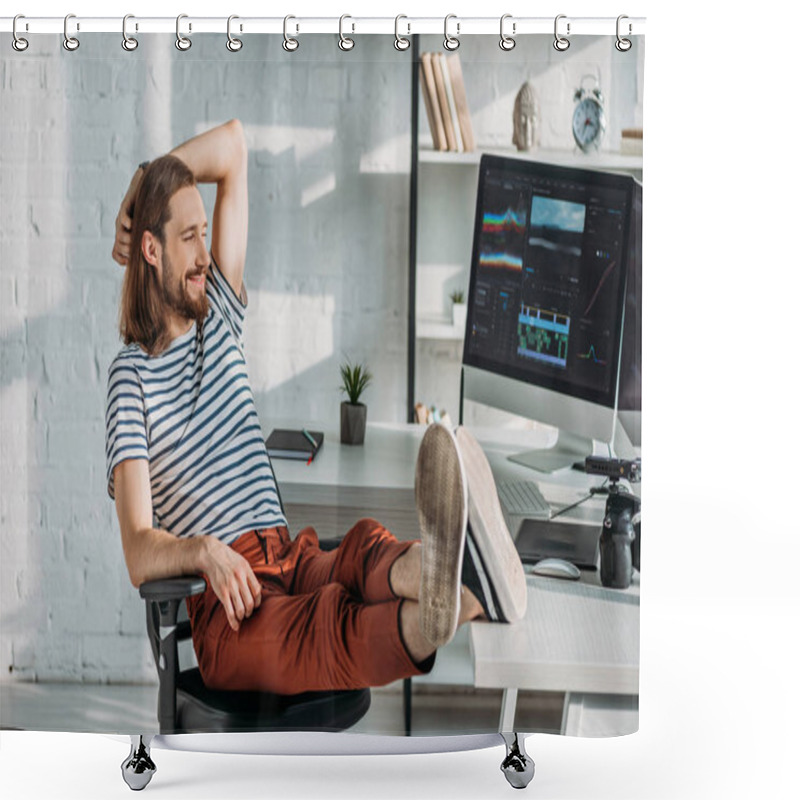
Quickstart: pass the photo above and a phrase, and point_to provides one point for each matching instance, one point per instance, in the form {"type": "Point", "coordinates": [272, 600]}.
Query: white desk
{"type": "Point", "coordinates": [576, 638]}
{"type": "Point", "coordinates": [345, 483]}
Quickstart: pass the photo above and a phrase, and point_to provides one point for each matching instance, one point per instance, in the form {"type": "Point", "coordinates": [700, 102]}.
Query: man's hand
{"type": "Point", "coordinates": [122, 241]}
{"type": "Point", "coordinates": [233, 581]}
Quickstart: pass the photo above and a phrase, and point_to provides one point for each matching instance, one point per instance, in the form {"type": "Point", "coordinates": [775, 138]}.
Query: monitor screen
{"type": "Point", "coordinates": [547, 282]}
{"type": "Point", "coordinates": [629, 402]}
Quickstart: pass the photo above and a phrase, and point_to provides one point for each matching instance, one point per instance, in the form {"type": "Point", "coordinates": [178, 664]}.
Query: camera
{"type": "Point", "coordinates": [621, 535]}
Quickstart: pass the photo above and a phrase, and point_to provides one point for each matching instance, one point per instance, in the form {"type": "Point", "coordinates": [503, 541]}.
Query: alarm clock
{"type": "Point", "coordinates": [589, 117]}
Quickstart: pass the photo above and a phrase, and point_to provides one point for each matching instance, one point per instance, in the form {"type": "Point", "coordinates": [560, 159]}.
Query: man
{"type": "Point", "coordinates": [185, 451]}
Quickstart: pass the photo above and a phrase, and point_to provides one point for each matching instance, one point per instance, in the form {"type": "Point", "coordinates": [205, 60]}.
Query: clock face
{"type": "Point", "coordinates": [588, 123]}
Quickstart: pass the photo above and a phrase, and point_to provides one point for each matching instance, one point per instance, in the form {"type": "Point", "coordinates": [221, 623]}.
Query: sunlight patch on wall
{"type": "Point", "coordinates": [318, 190]}
{"type": "Point", "coordinates": [286, 334]}
{"type": "Point", "coordinates": [279, 139]}
{"type": "Point", "coordinates": [389, 157]}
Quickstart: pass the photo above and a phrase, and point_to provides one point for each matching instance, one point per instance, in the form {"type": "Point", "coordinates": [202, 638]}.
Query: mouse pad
{"type": "Point", "coordinates": [538, 539]}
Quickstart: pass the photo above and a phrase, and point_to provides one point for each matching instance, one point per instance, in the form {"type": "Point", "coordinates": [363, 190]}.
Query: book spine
{"type": "Point", "coordinates": [460, 97]}
{"type": "Point", "coordinates": [423, 85]}
{"type": "Point", "coordinates": [442, 95]}
{"type": "Point", "coordinates": [451, 104]}
{"type": "Point", "coordinates": [437, 124]}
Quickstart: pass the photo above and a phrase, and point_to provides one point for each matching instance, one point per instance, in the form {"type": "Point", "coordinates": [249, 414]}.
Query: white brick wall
{"type": "Point", "coordinates": [326, 273]}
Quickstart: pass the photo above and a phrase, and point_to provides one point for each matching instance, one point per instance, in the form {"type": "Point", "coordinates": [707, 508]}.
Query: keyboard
{"type": "Point", "coordinates": [523, 499]}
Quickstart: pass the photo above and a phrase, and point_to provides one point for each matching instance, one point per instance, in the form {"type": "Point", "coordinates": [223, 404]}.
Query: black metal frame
{"type": "Point", "coordinates": [412, 229]}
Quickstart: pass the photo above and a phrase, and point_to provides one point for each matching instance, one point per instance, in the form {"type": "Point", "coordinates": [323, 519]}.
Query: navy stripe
{"type": "Point", "coordinates": [202, 433]}
{"type": "Point", "coordinates": [185, 476]}
{"type": "Point", "coordinates": [254, 429]}
{"type": "Point", "coordinates": [195, 397]}
{"type": "Point", "coordinates": [187, 480]}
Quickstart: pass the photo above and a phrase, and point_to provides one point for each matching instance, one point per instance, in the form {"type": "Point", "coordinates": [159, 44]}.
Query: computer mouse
{"type": "Point", "coordinates": [556, 568]}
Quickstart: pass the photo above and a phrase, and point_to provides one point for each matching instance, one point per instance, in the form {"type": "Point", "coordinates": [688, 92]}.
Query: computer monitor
{"type": "Point", "coordinates": [629, 402]}
{"type": "Point", "coordinates": [546, 300]}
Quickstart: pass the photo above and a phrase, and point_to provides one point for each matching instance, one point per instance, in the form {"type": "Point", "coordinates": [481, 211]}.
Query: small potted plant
{"type": "Point", "coordinates": [459, 310]}
{"type": "Point", "coordinates": [352, 413]}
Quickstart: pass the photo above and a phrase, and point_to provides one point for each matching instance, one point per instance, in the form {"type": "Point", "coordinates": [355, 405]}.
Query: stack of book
{"type": "Point", "coordinates": [632, 139]}
{"type": "Point", "coordinates": [442, 83]}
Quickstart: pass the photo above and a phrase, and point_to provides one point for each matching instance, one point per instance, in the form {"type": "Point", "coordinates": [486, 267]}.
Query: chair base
{"type": "Point", "coordinates": [203, 710]}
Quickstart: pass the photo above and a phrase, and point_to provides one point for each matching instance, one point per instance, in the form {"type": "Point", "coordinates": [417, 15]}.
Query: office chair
{"type": "Point", "coordinates": [186, 705]}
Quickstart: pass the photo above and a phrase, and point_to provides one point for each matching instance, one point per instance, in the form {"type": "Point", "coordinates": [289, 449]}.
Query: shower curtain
{"type": "Point", "coordinates": [362, 180]}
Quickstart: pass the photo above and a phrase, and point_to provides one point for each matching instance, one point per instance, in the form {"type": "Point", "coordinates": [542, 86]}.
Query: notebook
{"type": "Point", "coordinates": [282, 443]}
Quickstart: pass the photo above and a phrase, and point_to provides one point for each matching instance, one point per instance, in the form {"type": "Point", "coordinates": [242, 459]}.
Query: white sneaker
{"type": "Point", "coordinates": [492, 567]}
{"type": "Point", "coordinates": [440, 489]}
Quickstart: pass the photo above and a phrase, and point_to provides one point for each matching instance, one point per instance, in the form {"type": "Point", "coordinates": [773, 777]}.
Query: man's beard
{"type": "Point", "coordinates": [175, 293]}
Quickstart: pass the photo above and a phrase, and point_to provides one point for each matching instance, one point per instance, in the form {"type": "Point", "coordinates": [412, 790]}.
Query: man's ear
{"type": "Point", "coordinates": [151, 249]}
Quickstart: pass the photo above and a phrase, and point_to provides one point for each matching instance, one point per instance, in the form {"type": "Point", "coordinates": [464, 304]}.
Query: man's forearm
{"type": "Point", "coordinates": [152, 554]}
{"type": "Point", "coordinates": [214, 154]}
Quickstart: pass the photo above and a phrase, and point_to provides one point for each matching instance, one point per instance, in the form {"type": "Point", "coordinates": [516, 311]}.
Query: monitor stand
{"type": "Point", "coordinates": [568, 449]}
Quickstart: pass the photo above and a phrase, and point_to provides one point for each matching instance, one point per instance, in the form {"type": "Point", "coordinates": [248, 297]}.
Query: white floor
{"type": "Point", "coordinates": [95, 708]}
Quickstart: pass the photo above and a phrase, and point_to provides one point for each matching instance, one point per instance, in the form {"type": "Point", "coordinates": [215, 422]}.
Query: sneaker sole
{"type": "Point", "coordinates": [440, 489]}
{"type": "Point", "coordinates": [489, 532]}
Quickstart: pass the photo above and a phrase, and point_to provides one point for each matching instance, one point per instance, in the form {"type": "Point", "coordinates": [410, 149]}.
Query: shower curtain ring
{"type": "Point", "coordinates": [70, 42]}
{"type": "Point", "coordinates": [233, 44]}
{"type": "Point", "coordinates": [18, 43]}
{"type": "Point", "coordinates": [623, 45]}
{"type": "Point", "coordinates": [507, 42]}
{"type": "Point", "coordinates": [289, 44]}
{"type": "Point", "coordinates": [451, 42]}
{"type": "Point", "coordinates": [128, 42]}
{"type": "Point", "coordinates": [400, 42]}
{"type": "Point", "coordinates": [561, 43]}
{"type": "Point", "coordinates": [345, 43]}
{"type": "Point", "coordinates": [181, 42]}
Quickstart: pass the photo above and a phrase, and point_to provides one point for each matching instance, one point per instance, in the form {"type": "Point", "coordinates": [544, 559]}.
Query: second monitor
{"type": "Point", "coordinates": [546, 299]}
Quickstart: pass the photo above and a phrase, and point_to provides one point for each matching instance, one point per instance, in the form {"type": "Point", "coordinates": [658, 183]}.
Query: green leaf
{"type": "Point", "coordinates": [355, 379]}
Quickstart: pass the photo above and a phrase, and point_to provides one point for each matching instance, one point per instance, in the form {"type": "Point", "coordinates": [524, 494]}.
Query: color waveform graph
{"type": "Point", "coordinates": [502, 239]}
{"type": "Point", "coordinates": [543, 336]}
{"type": "Point", "coordinates": [591, 355]}
{"type": "Point", "coordinates": [510, 221]}
{"type": "Point", "coordinates": [501, 261]}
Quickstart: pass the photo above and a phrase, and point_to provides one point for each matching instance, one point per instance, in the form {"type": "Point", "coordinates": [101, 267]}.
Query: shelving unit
{"type": "Point", "coordinates": [615, 162]}
{"type": "Point", "coordinates": [442, 207]}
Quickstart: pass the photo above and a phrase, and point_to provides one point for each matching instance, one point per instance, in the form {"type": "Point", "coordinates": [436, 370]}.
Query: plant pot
{"type": "Point", "coordinates": [460, 316]}
{"type": "Point", "coordinates": [353, 423]}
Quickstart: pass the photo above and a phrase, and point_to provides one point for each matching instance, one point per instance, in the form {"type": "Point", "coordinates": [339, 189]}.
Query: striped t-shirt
{"type": "Point", "coordinates": [190, 412]}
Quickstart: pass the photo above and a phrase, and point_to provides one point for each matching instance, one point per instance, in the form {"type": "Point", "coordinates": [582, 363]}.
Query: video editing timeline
{"type": "Point", "coordinates": [548, 280]}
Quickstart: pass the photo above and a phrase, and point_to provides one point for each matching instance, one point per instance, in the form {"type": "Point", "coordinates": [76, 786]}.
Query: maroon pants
{"type": "Point", "coordinates": [327, 620]}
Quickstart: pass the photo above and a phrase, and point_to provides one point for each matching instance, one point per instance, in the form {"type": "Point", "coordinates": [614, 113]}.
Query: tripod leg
{"type": "Point", "coordinates": [138, 768]}
{"type": "Point", "coordinates": [518, 766]}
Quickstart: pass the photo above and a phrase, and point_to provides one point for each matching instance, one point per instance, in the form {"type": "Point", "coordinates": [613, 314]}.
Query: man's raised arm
{"type": "Point", "coordinates": [220, 156]}
{"type": "Point", "coordinates": [216, 156]}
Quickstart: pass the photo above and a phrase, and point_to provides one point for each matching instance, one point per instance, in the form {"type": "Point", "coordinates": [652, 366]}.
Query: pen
{"type": "Point", "coordinates": [310, 438]}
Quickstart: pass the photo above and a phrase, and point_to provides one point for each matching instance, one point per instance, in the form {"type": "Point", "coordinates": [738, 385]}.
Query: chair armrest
{"type": "Point", "coordinates": [172, 588]}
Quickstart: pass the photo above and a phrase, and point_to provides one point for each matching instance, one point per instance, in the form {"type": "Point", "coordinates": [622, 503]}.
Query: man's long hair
{"type": "Point", "coordinates": [142, 313]}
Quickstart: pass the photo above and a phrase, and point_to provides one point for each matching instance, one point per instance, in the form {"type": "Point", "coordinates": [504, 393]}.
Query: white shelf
{"type": "Point", "coordinates": [572, 158]}
{"type": "Point", "coordinates": [438, 328]}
